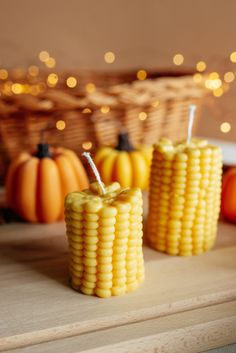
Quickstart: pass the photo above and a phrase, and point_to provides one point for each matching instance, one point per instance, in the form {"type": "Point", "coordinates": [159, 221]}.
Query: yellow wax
{"type": "Point", "coordinates": [184, 198]}
{"type": "Point", "coordinates": [105, 240]}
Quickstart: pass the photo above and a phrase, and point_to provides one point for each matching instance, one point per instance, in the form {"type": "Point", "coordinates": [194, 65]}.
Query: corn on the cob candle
{"type": "Point", "coordinates": [104, 229]}
{"type": "Point", "coordinates": [184, 200]}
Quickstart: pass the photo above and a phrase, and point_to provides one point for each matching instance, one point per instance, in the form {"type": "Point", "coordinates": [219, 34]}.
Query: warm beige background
{"type": "Point", "coordinates": [141, 33]}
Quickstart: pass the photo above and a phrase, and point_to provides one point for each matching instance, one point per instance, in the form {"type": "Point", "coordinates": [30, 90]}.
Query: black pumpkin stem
{"type": "Point", "coordinates": [43, 151]}
{"type": "Point", "coordinates": [124, 143]}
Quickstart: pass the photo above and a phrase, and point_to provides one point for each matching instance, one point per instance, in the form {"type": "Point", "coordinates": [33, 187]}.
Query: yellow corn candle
{"type": "Point", "coordinates": [184, 199]}
{"type": "Point", "coordinates": [104, 232]}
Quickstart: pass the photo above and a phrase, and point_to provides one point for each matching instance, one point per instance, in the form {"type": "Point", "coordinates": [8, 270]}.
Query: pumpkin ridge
{"type": "Point", "coordinates": [26, 189]}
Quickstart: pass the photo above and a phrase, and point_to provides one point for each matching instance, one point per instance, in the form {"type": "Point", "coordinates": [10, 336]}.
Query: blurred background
{"type": "Point", "coordinates": [66, 44]}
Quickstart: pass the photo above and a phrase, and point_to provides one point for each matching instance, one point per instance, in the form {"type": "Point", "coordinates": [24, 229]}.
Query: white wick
{"type": "Point", "coordinates": [192, 109]}
{"type": "Point", "coordinates": [94, 169]}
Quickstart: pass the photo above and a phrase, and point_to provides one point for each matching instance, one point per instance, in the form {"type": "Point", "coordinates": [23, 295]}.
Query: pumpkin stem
{"type": "Point", "coordinates": [43, 151]}
{"type": "Point", "coordinates": [124, 143]}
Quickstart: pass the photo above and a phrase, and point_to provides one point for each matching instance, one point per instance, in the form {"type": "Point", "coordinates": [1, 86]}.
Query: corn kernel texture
{"type": "Point", "coordinates": [105, 240]}
{"type": "Point", "coordinates": [184, 198]}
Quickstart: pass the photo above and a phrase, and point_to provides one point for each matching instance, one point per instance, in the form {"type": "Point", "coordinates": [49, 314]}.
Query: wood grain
{"type": "Point", "coordinates": [37, 304]}
{"type": "Point", "coordinates": [187, 332]}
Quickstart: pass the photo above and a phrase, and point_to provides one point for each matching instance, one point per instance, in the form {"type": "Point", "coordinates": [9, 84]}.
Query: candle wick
{"type": "Point", "coordinates": [94, 169]}
{"type": "Point", "coordinates": [192, 109]}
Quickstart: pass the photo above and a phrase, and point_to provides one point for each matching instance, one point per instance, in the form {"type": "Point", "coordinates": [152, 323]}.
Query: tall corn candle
{"type": "Point", "coordinates": [104, 229]}
{"type": "Point", "coordinates": [184, 199]}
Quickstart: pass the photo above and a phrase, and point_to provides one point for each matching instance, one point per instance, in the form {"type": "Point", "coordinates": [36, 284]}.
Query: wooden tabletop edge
{"type": "Point", "coordinates": [77, 328]}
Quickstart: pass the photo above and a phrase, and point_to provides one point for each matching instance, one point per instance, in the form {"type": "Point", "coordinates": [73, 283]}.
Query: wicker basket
{"type": "Point", "coordinates": [148, 109]}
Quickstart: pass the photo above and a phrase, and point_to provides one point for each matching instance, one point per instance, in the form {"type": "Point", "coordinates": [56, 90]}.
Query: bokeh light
{"type": "Point", "coordinates": [50, 62]}
{"type": "Point", "coordinates": [233, 57]}
{"type": "Point", "coordinates": [3, 74]}
{"type": "Point", "coordinates": [214, 75]}
{"type": "Point", "coordinates": [213, 83]}
{"type": "Point", "coordinates": [178, 59]}
{"type": "Point", "coordinates": [87, 145]}
{"type": "Point", "coordinates": [229, 77]}
{"type": "Point", "coordinates": [33, 70]}
{"type": "Point", "coordinates": [44, 56]}
{"type": "Point", "coordinates": [142, 116]}
{"type": "Point", "coordinates": [34, 90]}
{"type": "Point", "coordinates": [155, 104]}
{"type": "Point", "coordinates": [109, 57]}
{"type": "Point", "coordinates": [86, 111]}
{"type": "Point", "coordinates": [225, 127]}
{"type": "Point", "coordinates": [90, 87]}
{"type": "Point", "coordinates": [7, 88]}
{"type": "Point", "coordinates": [60, 125]}
{"type": "Point", "coordinates": [71, 82]}
{"type": "Point", "coordinates": [218, 92]}
{"type": "Point", "coordinates": [17, 88]}
{"type": "Point", "coordinates": [52, 80]}
{"type": "Point", "coordinates": [141, 75]}
{"type": "Point", "coordinates": [105, 109]}
{"type": "Point", "coordinates": [201, 66]}
{"type": "Point", "coordinates": [197, 78]}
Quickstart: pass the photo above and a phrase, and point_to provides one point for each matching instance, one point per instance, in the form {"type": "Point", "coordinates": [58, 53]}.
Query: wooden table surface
{"type": "Point", "coordinates": [185, 304]}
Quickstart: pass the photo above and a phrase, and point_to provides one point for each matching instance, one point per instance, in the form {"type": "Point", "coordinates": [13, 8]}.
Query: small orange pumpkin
{"type": "Point", "coordinates": [36, 185]}
{"type": "Point", "coordinates": [228, 204]}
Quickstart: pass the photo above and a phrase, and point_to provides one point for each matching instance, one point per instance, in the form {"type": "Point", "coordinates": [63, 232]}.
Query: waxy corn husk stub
{"type": "Point", "coordinates": [105, 240]}
{"type": "Point", "coordinates": [184, 198]}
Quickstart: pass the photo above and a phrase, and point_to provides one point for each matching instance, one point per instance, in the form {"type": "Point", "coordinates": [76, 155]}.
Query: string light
{"type": "Point", "coordinates": [197, 78]}
{"type": "Point", "coordinates": [141, 75]}
{"type": "Point", "coordinates": [7, 88]}
{"type": "Point", "coordinates": [142, 116]}
{"type": "Point", "coordinates": [60, 125]}
{"type": "Point", "coordinates": [26, 88]}
{"type": "Point", "coordinates": [201, 66]}
{"type": "Point", "coordinates": [50, 62]}
{"type": "Point", "coordinates": [3, 74]}
{"type": "Point", "coordinates": [218, 92]}
{"type": "Point", "coordinates": [225, 127]}
{"type": "Point", "coordinates": [52, 80]}
{"type": "Point", "coordinates": [213, 81]}
{"type": "Point", "coordinates": [44, 56]}
{"type": "Point", "coordinates": [17, 88]}
{"type": "Point", "coordinates": [109, 57]}
{"type": "Point", "coordinates": [35, 90]}
{"type": "Point", "coordinates": [213, 84]}
{"type": "Point", "coordinates": [33, 70]}
{"type": "Point", "coordinates": [87, 145]}
{"type": "Point", "coordinates": [71, 82]}
{"type": "Point", "coordinates": [86, 111]}
{"type": "Point", "coordinates": [178, 59]}
{"type": "Point", "coordinates": [105, 109]}
{"type": "Point", "coordinates": [233, 57]}
{"type": "Point", "coordinates": [155, 104]}
{"type": "Point", "coordinates": [229, 77]}
{"type": "Point", "coordinates": [90, 87]}
{"type": "Point", "coordinates": [214, 75]}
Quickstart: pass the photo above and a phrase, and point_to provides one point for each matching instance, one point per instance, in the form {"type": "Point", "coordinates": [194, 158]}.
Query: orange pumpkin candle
{"type": "Point", "coordinates": [36, 185]}
{"type": "Point", "coordinates": [228, 205]}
